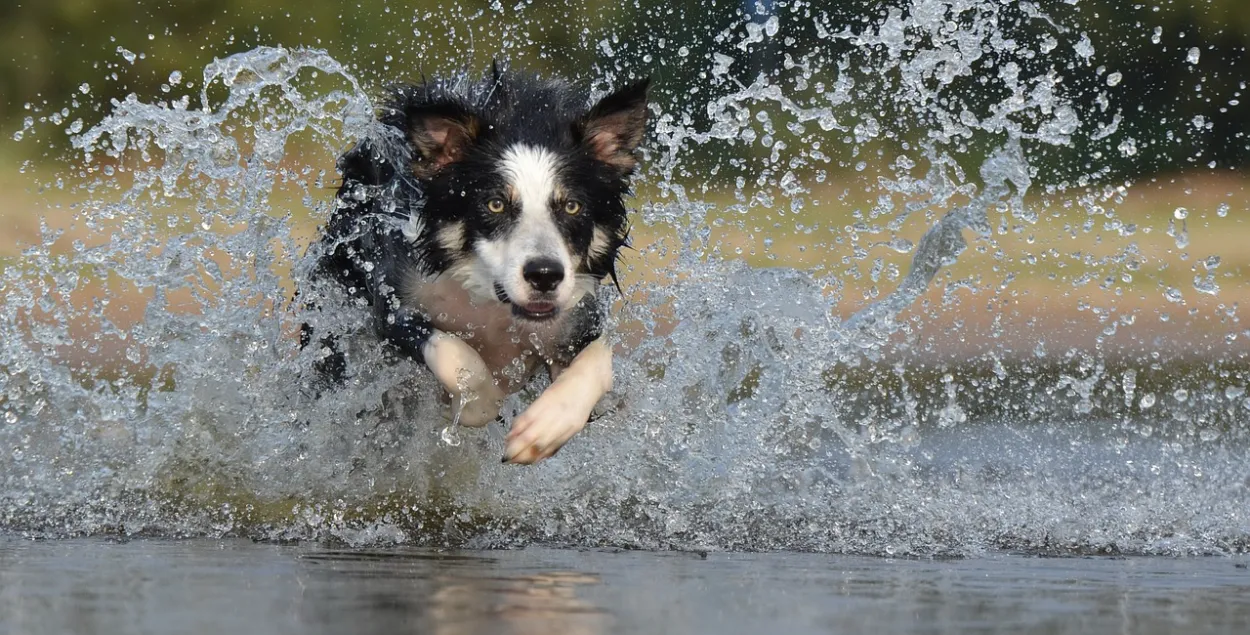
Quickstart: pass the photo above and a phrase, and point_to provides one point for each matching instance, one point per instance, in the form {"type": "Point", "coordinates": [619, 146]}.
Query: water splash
{"type": "Point", "coordinates": [153, 383]}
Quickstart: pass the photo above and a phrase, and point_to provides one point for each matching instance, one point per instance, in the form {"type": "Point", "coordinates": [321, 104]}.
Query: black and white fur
{"type": "Point", "coordinates": [478, 221]}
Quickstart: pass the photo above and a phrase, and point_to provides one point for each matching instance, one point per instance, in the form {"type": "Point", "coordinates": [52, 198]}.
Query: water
{"type": "Point", "coordinates": [206, 586]}
{"type": "Point", "coordinates": [928, 378]}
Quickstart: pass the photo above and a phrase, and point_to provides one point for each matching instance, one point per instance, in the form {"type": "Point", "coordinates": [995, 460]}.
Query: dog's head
{"type": "Point", "coordinates": [522, 183]}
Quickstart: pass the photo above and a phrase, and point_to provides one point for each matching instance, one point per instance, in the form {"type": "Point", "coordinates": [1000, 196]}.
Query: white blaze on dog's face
{"type": "Point", "coordinates": [520, 206]}
{"type": "Point", "coordinates": [530, 262]}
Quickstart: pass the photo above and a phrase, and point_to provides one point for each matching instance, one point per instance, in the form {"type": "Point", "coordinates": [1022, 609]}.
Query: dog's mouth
{"type": "Point", "coordinates": [536, 311]}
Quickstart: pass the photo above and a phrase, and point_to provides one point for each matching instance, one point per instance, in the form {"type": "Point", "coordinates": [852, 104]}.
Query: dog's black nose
{"type": "Point", "coordinates": [544, 274]}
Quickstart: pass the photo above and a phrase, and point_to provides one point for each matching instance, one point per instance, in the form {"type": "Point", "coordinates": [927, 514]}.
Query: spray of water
{"type": "Point", "coordinates": [153, 384]}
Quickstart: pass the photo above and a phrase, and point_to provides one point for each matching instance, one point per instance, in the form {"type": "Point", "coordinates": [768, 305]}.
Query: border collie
{"type": "Point", "coordinates": [478, 220]}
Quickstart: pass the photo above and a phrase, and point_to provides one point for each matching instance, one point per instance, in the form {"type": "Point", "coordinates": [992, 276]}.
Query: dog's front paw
{"type": "Point", "coordinates": [539, 432]}
{"type": "Point", "coordinates": [477, 404]}
{"type": "Point", "coordinates": [475, 398]}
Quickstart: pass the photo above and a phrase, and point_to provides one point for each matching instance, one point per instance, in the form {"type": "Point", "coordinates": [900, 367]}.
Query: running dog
{"type": "Point", "coordinates": [478, 221]}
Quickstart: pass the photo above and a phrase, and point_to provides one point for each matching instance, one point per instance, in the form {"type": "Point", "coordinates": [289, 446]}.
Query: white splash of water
{"type": "Point", "coordinates": [739, 422]}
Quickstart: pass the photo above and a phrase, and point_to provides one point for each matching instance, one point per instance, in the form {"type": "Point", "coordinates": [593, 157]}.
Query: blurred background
{"type": "Point", "coordinates": [50, 49]}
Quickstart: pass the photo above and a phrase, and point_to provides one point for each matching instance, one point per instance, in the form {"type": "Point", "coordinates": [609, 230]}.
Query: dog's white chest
{"type": "Point", "coordinates": [511, 348]}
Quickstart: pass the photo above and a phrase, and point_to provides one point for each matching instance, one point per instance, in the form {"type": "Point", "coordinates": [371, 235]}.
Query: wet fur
{"type": "Point", "coordinates": [460, 190]}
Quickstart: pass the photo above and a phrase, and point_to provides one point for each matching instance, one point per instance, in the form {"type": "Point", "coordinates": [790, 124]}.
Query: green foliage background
{"type": "Point", "coordinates": [51, 48]}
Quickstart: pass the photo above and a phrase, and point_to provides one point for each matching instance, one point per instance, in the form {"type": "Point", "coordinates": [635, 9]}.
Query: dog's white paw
{"type": "Point", "coordinates": [478, 404]}
{"type": "Point", "coordinates": [539, 432]}
{"type": "Point", "coordinates": [475, 398]}
{"type": "Point", "coordinates": [563, 409]}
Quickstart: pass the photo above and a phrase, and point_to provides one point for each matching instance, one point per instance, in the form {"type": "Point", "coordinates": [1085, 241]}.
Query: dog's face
{"type": "Point", "coordinates": [524, 199]}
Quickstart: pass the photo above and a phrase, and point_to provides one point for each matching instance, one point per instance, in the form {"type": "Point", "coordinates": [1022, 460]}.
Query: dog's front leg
{"type": "Point", "coordinates": [563, 409]}
{"type": "Point", "coordinates": [475, 398]}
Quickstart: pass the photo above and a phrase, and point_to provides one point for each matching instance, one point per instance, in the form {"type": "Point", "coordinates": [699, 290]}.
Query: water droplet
{"type": "Point", "coordinates": [1181, 395]}
{"type": "Point", "coordinates": [772, 26]}
{"type": "Point", "coordinates": [10, 417]}
{"type": "Point", "coordinates": [1114, 79]}
{"type": "Point", "coordinates": [901, 245]}
{"type": "Point", "coordinates": [1193, 56]}
{"type": "Point", "coordinates": [450, 436]}
{"type": "Point", "coordinates": [1084, 48]}
{"type": "Point", "coordinates": [1222, 210]}
{"type": "Point", "coordinates": [1180, 213]}
{"type": "Point", "coordinates": [867, 130]}
{"type": "Point", "coordinates": [1174, 295]}
{"type": "Point", "coordinates": [1206, 285]}
{"type": "Point", "coordinates": [175, 78]}
{"type": "Point", "coordinates": [1147, 401]}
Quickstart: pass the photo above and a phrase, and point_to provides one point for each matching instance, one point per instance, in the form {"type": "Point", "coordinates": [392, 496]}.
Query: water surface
{"type": "Point", "coordinates": [237, 586]}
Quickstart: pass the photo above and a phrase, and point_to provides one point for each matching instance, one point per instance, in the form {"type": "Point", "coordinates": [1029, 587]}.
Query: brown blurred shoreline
{"type": "Point", "coordinates": [968, 312]}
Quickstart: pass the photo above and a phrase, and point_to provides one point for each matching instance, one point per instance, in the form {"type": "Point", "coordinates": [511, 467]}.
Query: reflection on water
{"type": "Point", "coordinates": [451, 594]}
{"type": "Point", "coordinates": [237, 586]}
{"type": "Point", "coordinates": [203, 586]}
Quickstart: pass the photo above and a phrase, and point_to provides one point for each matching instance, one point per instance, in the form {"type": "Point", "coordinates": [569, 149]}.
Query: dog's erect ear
{"type": "Point", "coordinates": [440, 135]}
{"type": "Point", "coordinates": [614, 127]}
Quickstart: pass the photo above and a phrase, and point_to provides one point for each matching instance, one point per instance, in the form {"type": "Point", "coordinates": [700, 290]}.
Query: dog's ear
{"type": "Point", "coordinates": [440, 134]}
{"type": "Point", "coordinates": [615, 127]}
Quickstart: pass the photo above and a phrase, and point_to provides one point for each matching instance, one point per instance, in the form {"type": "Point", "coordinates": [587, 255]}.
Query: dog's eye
{"type": "Point", "coordinates": [495, 205]}
{"type": "Point", "coordinates": [572, 207]}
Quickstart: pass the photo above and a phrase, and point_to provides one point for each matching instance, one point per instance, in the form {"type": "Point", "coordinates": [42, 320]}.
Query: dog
{"type": "Point", "coordinates": [478, 222]}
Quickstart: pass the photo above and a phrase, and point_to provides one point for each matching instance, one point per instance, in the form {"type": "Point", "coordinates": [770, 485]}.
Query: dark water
{"type": "Point", "coordinates": [210, 586]}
